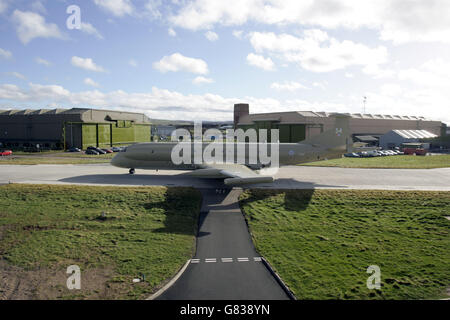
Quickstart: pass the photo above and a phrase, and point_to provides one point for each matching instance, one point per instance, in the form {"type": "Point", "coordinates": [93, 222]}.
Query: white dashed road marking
{"type": "Point", "coordinates": [226, 260]}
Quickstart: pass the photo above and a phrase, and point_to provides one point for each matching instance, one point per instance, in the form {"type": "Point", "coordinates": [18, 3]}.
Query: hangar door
{"type": "Point", "coordinates": [291, 132]}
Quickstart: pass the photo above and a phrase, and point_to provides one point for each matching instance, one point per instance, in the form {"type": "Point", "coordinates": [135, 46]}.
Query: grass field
{"type": "Point", "coordinates": [44, 229]}
{"type": "Point", "coordinates": [322, 242]}
{"type": "Point", "coordinates": [395, 162]}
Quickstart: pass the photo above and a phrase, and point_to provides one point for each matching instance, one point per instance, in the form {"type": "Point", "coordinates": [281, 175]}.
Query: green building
{"type": "Point", "coordinates": [77, 127]}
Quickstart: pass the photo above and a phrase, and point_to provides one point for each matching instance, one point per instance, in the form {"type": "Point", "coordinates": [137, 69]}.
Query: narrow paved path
{"type": "Point", "coordinates": [226, 265]}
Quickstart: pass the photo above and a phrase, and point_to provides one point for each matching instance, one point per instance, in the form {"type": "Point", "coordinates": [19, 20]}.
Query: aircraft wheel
{"type": "Point", "coordinates": [132, 171]}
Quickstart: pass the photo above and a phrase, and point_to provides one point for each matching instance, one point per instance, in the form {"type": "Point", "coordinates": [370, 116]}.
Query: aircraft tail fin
{"type": "Point", "coordinates": [338, 137]}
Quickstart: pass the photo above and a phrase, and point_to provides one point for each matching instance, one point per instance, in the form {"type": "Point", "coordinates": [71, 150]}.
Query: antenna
{"type": "Point", "coordinates": [364, 103]}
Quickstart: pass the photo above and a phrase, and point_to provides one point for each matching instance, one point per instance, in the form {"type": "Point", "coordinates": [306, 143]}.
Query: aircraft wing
{"type": "Point", "coordinates": [234, 174]}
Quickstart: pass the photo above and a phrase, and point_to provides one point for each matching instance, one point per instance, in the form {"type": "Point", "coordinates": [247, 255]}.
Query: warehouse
{"type": "Point", "coordinates": [295, 126]}
{"type": "Point", "coordinates": [66, 128]}
{"type": "Point", "coordinates": [395, 138]}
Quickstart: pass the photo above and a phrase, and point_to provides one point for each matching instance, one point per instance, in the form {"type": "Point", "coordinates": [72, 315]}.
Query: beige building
{"type": "Point", "coordinates": [296, 126]}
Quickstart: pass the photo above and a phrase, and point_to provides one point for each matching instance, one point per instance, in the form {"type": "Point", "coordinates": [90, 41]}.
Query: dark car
{"type": "Point", "coordinates": [92, 151]}
{"type": "Point", "coordinates": [99, 151]}
{"type": "Point", "coordinates": [74, 150]}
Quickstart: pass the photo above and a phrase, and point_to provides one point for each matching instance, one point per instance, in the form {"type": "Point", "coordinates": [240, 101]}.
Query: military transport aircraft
{"type": "Point", "coordinates": [330, 144]}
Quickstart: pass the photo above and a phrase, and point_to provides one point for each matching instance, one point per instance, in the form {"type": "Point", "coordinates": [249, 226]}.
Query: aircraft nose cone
{"type": "Point", "coordinates": [115, 161]}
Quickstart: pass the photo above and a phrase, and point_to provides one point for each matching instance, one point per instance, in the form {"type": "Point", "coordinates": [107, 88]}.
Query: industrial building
{"type": "Point", "coordinates": [395, 138]}
{"type": "Point", "coordinates": [295, 126]}
{"type": "Point", "coordinates": [76, 127]}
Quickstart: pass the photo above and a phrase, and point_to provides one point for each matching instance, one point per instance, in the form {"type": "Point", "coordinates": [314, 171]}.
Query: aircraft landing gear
{"type": "Point", "coordinates": [132, 171]}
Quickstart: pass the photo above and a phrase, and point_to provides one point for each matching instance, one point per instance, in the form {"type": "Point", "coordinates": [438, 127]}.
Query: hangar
{"type": "Point", "coordinates": [76, 127]}
{"type": "Point", "coordinates": [295, 126]}
{"type": "Point", "coordinates": [396, 138]}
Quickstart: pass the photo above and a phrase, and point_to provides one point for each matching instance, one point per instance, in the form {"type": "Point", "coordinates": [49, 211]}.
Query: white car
{"type": "Point", "coordinates": [373, 153]}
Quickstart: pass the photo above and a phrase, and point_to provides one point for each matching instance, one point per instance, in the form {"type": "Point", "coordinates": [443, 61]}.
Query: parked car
{"type": "Point", "coordinates": [92, 152]}
{"type": "Point", "coordinates": [373, 153]}
{"type": "Point", "coordinates": [98, 150]}
{"type": "Point", "coordinates": [363, 154]}
{"type": "Point", "coordinates": [74, 150]}
{"type": "Point", "coordinates": [5, 153]}
{"type": "Point", "coordinates": [351, 155]}
{"type": "Point", "coordinates": [116, 149]}
{"type": "Point", "coordinates": [107, 150]}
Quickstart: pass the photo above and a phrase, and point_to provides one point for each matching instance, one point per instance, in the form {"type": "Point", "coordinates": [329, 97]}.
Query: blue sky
{"type": "Point", "coordinates": [194, 59]}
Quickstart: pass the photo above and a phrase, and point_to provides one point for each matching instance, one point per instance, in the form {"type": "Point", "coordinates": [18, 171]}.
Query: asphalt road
{"type": "Point", "coordinates": [226, 265]}
{"type": "Point", "coordinates": [290, 177]}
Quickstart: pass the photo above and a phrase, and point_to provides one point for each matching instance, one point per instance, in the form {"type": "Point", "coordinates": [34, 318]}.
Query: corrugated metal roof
{"type": "Point", "coordinates": [366, 138]}
{"type": "Point", "coordinates": [56, 111]}
{"type": "Point", "coordinates": [317, 114]}
{"type": "Point", "coordinates": [15, 112]}
{"type": "Point", "coordinates": [415, 134]}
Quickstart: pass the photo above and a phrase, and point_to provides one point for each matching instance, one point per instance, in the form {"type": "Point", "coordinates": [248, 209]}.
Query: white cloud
{"type": "Point", "coordinates": [316, 51]}
{"type": "Point", "coordinates": [434, 73]}
{"type": "Point", "coordinates": [397, 20]}
{"type": "Point", "coordinates": [3, 5]}
{"type": "Point", "coordinates": [349, 75]}
{"type": "Point", "coordinates": [201, 80]}
{"type": "Point", "coordinates": [30, 25]}
{"type": "Point", "coordinates": [37, 6]}
{"type": "Point", "coordinates": [5, 54]}
{"type": "Point", "coordinates": [156, 104]}
{"type": "Point", "coordinates": [410, 21]}
{"type": "Point", "coordinates": [86, 63]}
{"type": "Point", "coordinates": [287, 86]}
{"type": "Point", "coordinates": [260, 62]}
{"type": "Point", "coordinates": [42, 61]}
{"type": "Point", "coordinates": [118, 8]}
{"type": "Point", "coordinates": [90, 29]}
{"type": "Point", "coordinates": [171, 32]}
{"type": "Point", "coordinates": [321, 85]}
{"type": "Point", "coordinates": [211, 36]}
{"type": "Point", "coordinates": [238, 34]}
{"type": "Point", "coordinates": [161, 103]}
{"type": "Point", "coordinates": [152, 7]}
{"type": "Point", "coordinates": [378, 73]}
{"type": "Point", "coordinates": [16, 75]}
{"type": "Point", "coordinates": [90, 82]}
{"type": "Point", "coordinates": [133, 63]}
{"type": "Point", "coordinates": [391, 89]}
{"type": "Point", "coordinates": [177, 62]}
